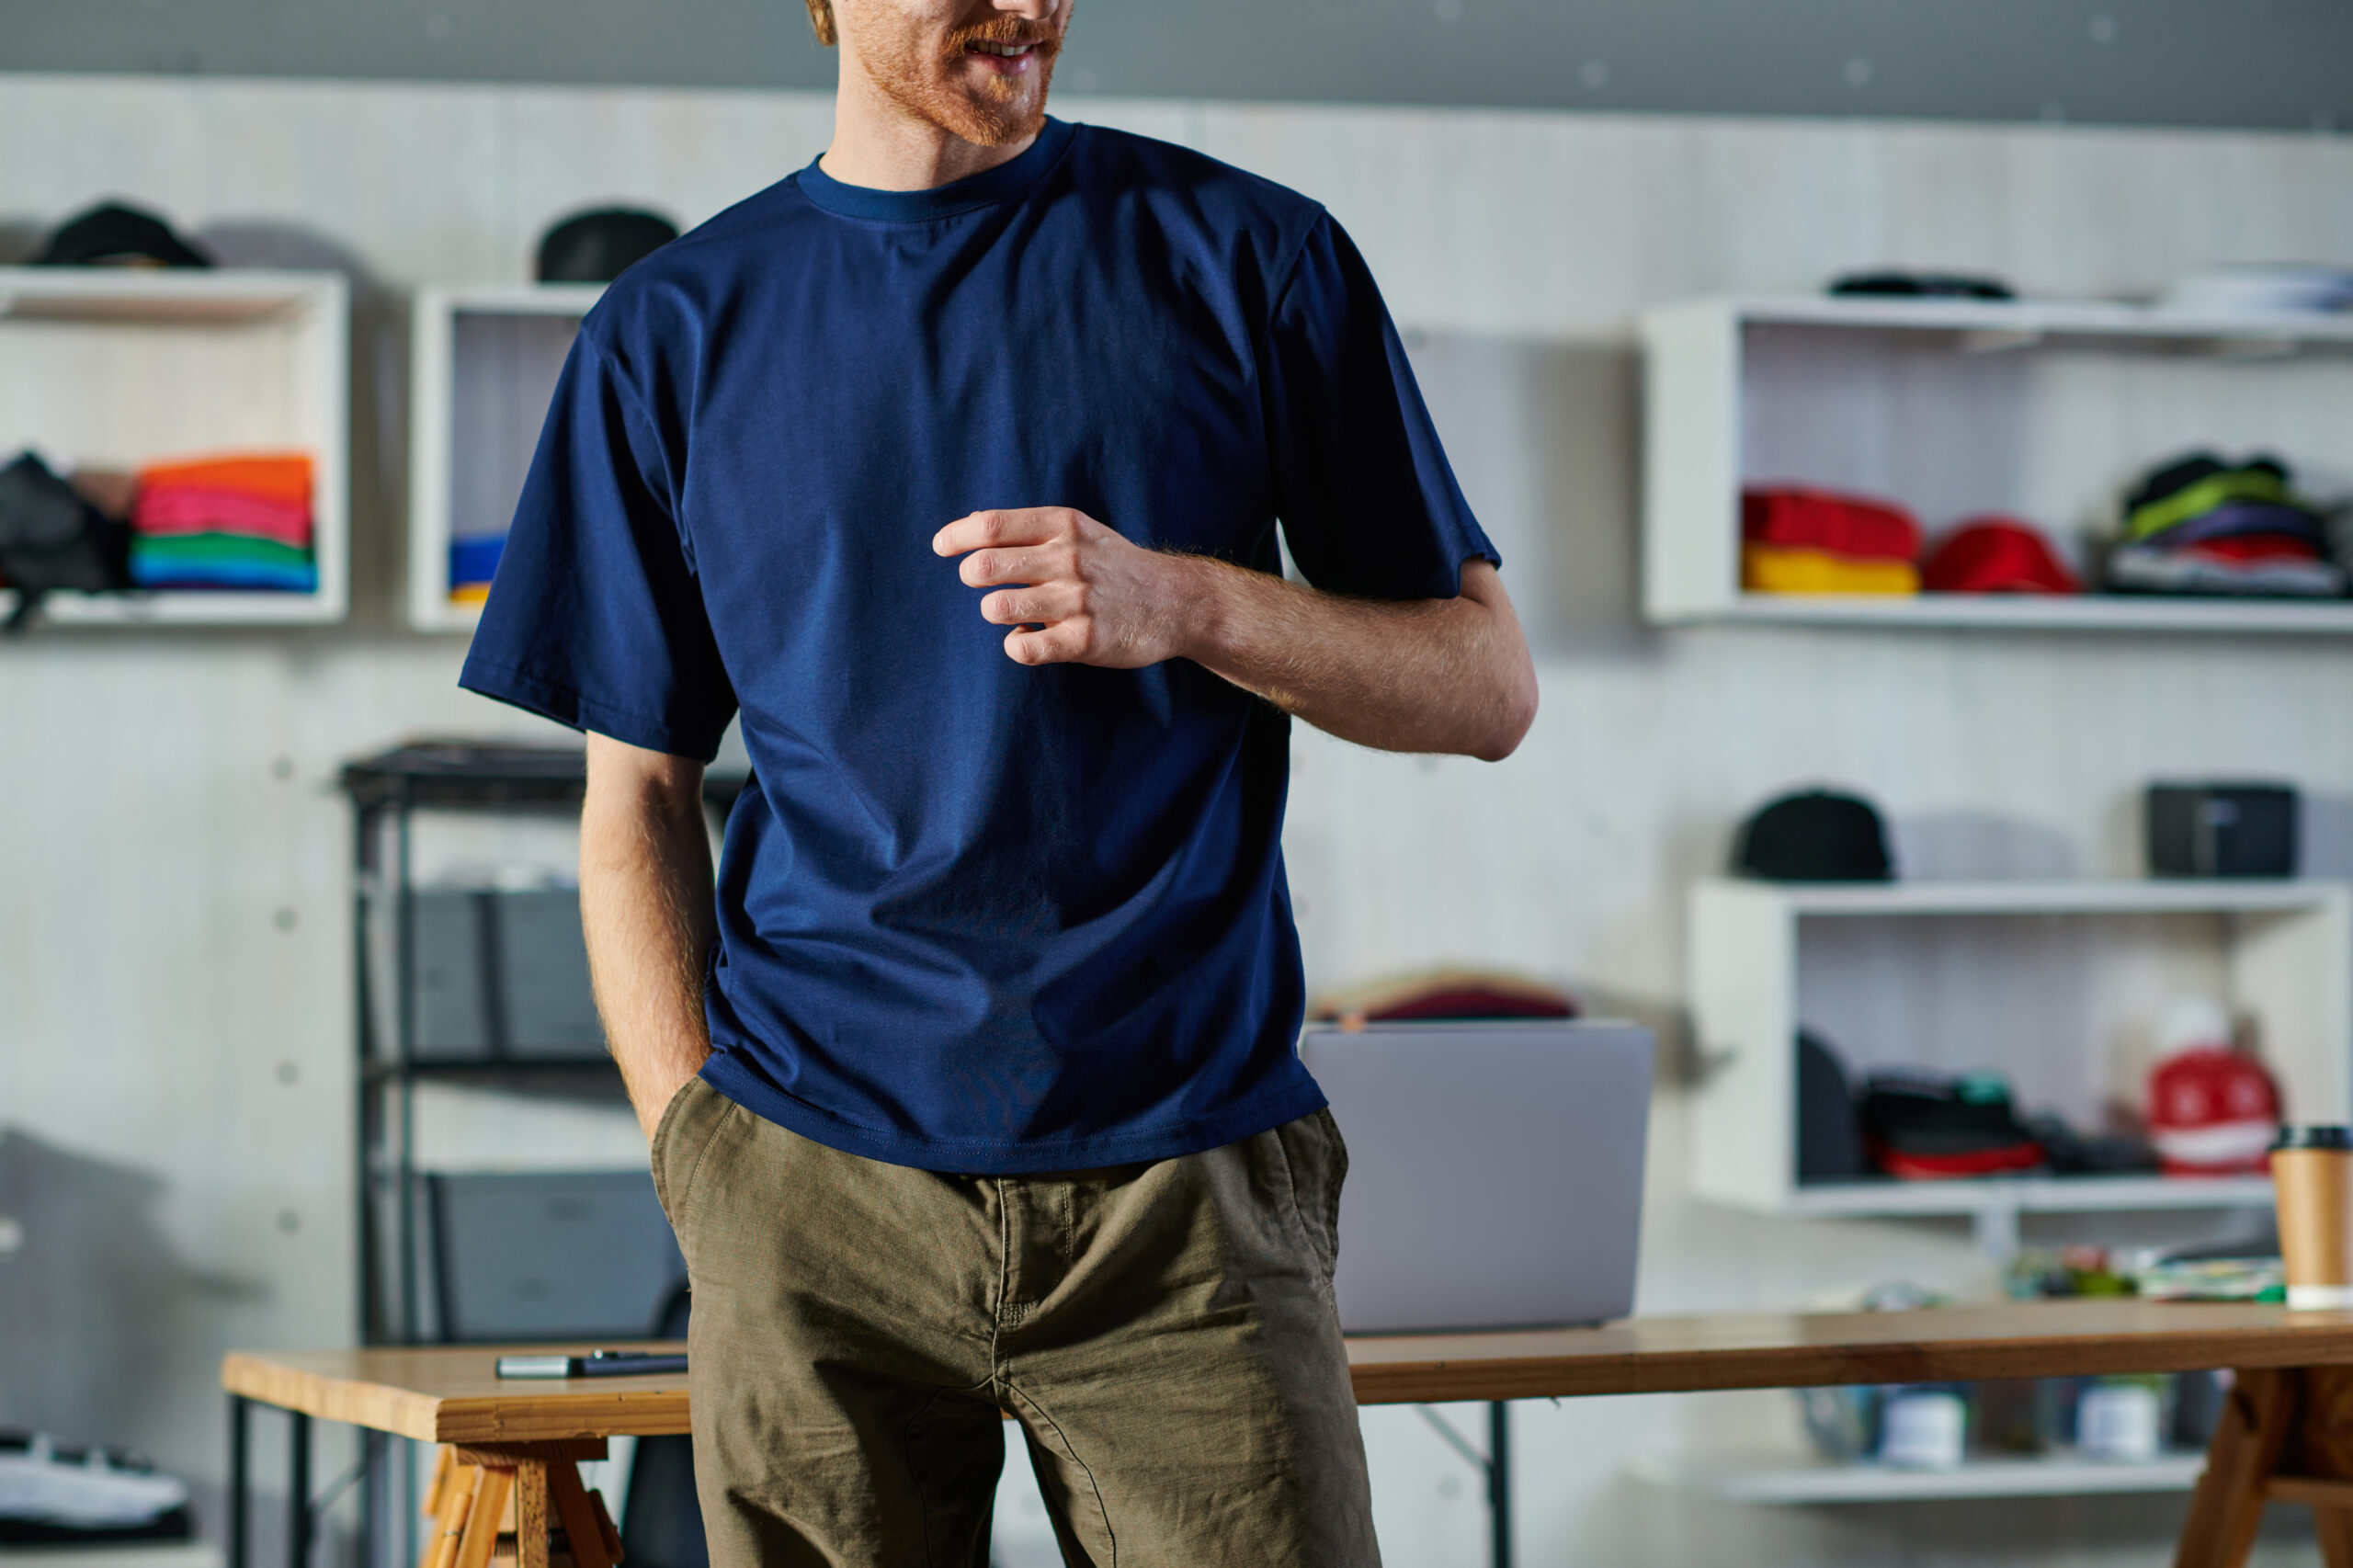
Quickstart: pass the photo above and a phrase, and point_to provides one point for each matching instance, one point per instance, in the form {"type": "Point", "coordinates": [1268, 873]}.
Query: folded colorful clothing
{"type": "Point", "coordinates": [1795, 518]}
{"type": "Point", "coordinates": [220, 561]}
{"type": "Point", "coordinates": [2201, 569]}
{"type": "Point", "coordinates": [225, 575]}
{"type": "Point", "coordinates": [270, 476]}
{"type": "Point", "coordinates": [218, 547]}
{"type": "Point", "coordinates": [2253, 547]}
{"type": "Point", "coordinates": [2197, 485]}
{"type": "Point", "coordinates": [473, 559]}
{"type": "Point", "coordinates": [1771, 569]}
{"type": "Point", "coordinates": [178, 509]}
{"type": "Point", "coordinates": [2243, 517]}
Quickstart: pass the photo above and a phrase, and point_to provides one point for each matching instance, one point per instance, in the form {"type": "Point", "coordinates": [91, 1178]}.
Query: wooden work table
{"type": "Point", "coordinates": [2286, 1433]}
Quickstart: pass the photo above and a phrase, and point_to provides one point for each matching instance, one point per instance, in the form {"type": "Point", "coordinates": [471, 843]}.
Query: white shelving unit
{"type": "Point", "coordinates": [2056, 984]}
{"type": "Point", "coordinates": [103, 368]}
{"type": "Point", "coordinates": [1960, 408]}
{"type": "Point", "coordinates": [1786, 1481]}
{"type": "Point", "coordinates": [483, 363]}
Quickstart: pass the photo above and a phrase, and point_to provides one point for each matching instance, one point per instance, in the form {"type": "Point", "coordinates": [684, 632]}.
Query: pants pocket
{"type": "Point", "coordinates": [669, 1138]}
{"type": "Point", "coordinates": [1318, 1162]}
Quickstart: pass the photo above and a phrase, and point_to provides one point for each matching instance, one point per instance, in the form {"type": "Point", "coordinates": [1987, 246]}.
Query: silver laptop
{"type": "Point", "coordinates": [1494, 1171]}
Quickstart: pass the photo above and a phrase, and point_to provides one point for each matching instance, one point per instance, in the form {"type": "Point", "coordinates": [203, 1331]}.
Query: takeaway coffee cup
{"type": "Point", "coordinates": [2312, 1169]}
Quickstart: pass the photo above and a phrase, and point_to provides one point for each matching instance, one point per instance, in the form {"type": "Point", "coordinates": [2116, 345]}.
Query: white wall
{"type": "Point", "coordinates": [173, 964]}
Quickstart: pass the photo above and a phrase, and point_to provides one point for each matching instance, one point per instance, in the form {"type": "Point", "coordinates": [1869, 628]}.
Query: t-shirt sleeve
{"type": "Point", "coordinates": [595, 617]}
{"type": "Point", "coordinates": [1367, 502]}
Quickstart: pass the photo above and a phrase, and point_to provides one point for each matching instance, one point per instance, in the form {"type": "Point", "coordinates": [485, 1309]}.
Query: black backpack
{"type": "Point", "coordinates": [51, 539]}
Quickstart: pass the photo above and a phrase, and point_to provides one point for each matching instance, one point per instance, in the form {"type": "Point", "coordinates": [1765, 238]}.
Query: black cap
{"type": "Point", "coordinates": [2319, 1135]}
{"type": "Point", "coordinates": [1816, 836]}
{"type": "Point", "coordinates": [598, 246]}
{"type": "Point", "coordinates": [112, 234]}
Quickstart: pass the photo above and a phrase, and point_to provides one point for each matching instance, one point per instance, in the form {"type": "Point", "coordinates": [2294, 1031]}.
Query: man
{"type": "Point", "coordinates": [953, 463]}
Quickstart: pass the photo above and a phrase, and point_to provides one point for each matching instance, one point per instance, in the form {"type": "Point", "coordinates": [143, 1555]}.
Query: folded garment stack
{"type": "Point", "coordinates": [473, 560]}
{"type": "Point", "coordinates": [240, 522]}
{"type": "Point", "coordinates": [2200, 526]}
{"type": "Point", "coordinates": [1796, 540]}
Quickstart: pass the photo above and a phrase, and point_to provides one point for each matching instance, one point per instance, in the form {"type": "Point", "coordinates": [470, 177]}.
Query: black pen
{"type": "Point", "coordinates": [596, 1364]}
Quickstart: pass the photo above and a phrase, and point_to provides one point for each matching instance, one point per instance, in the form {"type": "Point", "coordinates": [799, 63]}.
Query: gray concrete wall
{"type": "Point", "coordinates": [2284, 64]}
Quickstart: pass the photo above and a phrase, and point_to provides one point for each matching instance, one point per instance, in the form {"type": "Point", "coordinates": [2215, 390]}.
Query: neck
{"type": "Point", "coordinates": [883, 144]}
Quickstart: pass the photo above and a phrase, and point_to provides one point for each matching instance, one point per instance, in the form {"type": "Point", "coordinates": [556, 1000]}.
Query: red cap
{"type": "Point", "coordinates": [1996, 555]}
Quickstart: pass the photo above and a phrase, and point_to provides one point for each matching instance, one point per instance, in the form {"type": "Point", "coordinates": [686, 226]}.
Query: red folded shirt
{"type": "Point", "coordinates": [1853, 526]}
{"type": "Point", "coordinates": [2254, 546]}
{"type": "Point", "coordinates": [188, 509]}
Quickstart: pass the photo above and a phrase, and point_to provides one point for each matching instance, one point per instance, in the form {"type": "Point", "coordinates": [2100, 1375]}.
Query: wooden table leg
{"type": "Point", "coordinates": [443, 1458]}
{"type": "Point", "coordinates": [452, 1493]}
{"type": "Point", "coordinates": [547, 1490]}
{"type": "Point", "coordinates": [2335, 1528]}
{"type": "Point", "coordinates": [2228, 1503]}
{"type": "Point", "coordinates": [531, 1514]}
{"type": "Point", "coordinates": [581, 1532]}
{"type": "Point", "coordinates": [605, 1527]}
{"type": "Point", "coordinates": [481, 1537]}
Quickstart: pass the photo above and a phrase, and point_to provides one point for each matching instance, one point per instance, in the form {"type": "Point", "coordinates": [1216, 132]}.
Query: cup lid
{"type": "Point", "coordinates": [2316, 1135]}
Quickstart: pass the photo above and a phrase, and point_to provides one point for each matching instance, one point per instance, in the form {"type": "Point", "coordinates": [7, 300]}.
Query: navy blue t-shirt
{"type": "Point", "coordinates": [974, 916]}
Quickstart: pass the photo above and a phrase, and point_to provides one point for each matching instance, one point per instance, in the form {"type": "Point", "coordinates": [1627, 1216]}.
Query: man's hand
{"type": "Point", "coordinates": [1093, 597]}
{"type": "Point", "coordinates": [1412, 674]}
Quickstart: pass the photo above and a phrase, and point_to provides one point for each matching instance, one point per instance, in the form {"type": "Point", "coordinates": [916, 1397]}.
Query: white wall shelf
{"type": "Point", "coordinates": [1960, 408]}
{"type": "Point", "coordinates": [2054, 985]}
{"type": "Point", "coordinates": [2029, 1195]}
{"type": "Point", "coordinates": [114, 368]}
{"type": "Point", "coordinates": [1808, 1480]}
{"type": "Point", "coordinates": [483, 363]}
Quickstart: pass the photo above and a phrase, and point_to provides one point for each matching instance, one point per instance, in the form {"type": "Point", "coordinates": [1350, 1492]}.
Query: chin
{"type": "Point", "coordinates": [998, 115]}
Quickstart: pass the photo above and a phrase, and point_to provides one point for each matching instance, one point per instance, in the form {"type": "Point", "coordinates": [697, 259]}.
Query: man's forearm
{"type": "Point", "coordinates": [645, 907]}
{"type": "Point", "coordinates": [1420, 676]}
{"type": "Point", "coordinates": [1424, 675]}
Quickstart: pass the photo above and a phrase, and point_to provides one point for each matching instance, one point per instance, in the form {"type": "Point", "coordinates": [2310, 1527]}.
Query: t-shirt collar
{"type": "Point", "coordinates": [983, 189]}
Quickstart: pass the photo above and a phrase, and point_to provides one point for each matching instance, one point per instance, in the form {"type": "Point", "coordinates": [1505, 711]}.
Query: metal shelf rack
{"type": "Point", "coordinates": [386, 793]}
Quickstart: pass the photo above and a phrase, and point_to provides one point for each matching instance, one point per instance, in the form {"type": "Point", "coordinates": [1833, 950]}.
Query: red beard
{"type": "Point", "coordinates": [930, 80]}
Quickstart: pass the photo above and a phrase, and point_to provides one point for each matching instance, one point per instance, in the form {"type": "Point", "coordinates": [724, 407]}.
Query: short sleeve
{"type": "Point", "coordinates": [595, 619]}
{"type": "Point", "coordinates": [1367, 502]}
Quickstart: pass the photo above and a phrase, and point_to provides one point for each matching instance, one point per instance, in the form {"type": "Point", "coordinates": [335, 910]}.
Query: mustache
{"type": "Point", "coordinates": [1008, 29]}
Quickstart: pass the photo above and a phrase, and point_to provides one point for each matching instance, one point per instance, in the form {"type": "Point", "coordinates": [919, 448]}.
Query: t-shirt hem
{"type": "Point", "coordinates": [973, 1158]}
{"type": "Point", "coordinates": [549, 700]}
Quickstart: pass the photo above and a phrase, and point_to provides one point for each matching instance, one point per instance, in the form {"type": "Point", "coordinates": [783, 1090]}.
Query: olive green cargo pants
{"type": "Point", "coordinates": [1163, 1334]}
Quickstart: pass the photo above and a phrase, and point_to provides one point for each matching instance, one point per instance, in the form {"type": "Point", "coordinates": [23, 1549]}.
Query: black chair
{"type": "Point", "coordinates": [661, 1521]}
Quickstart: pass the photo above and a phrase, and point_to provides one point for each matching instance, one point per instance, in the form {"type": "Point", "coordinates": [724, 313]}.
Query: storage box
{"type": "Point", "coordinates": [502, 975]}
{"type": "Point", "coordinates": [2221, 830]}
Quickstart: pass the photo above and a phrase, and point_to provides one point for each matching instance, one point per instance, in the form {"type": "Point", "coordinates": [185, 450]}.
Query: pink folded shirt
{"type": "Point", "coordinates": [191, 509]}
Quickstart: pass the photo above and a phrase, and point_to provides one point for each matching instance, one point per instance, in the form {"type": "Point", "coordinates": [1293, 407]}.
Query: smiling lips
{"type": "Point", "coordinates": [1006, 57]}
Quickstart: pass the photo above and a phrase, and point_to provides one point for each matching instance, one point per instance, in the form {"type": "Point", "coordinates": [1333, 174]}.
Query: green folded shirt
{"type": "Point", "coordinates": [217, 549]}
{"type": "Point", "coordinates": [2197, 500]}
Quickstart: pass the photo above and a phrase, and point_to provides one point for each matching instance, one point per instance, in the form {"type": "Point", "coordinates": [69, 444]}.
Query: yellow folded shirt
{"type": "Point", "coordinates": [1776, 569]}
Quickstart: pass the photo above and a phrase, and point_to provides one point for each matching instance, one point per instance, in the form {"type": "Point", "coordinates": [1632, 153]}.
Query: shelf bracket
{"type": "Point", "coordinates": [1999, 341]}
{"type": "Point", "coordinates": [2244, 350]}
{"type": "Point", "coordinates": [1995, 1224]}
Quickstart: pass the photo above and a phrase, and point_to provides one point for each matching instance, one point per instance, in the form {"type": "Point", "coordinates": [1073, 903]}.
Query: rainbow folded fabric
{"type": "Point", "coordinates": [241, 522]}
{"type": "Point", "coordinates": [1796, 540]}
